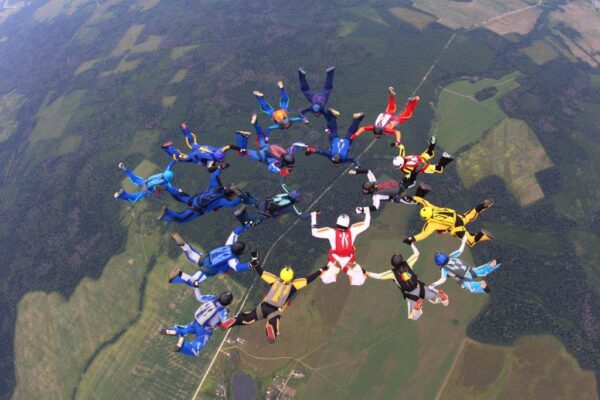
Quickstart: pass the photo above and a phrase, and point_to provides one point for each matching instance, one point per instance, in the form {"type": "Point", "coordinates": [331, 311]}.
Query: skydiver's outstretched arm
{"type": "Point", "coordinates": [360, 227]}
{"type": "Point", "coordinates": [169, 166]}
{"type": "Point", "coordinates": [215, 180]}
{"type": "Point", "coordinates": [203, 298]}
{"type": "Point", "coordinates": [359, 132]}
{"type": "Point", "coordinates": [295, 147]}
{"type": "Point", "coordinates": [321, 233]}
{"type": "Point", "coordinates": [307, 109]}
{"type": "Point", "coordinates": [265, 275]}
{"type": "Point", "coordinates": [458, 252]}
{"type": "Point", "coordinates": [371, 176]}
{"type": "Point", "coordinates": [414, 256]}
{"type": "Point", "coordinates": [443, 276]}
{"type": "Point", "coordinates": [389, 274]}
{"type": "Point", "coordinates": [274, 167]}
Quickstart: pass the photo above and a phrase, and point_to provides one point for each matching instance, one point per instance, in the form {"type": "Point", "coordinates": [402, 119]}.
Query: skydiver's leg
{"type": "Point", "coordinates": [328, 87]}
{"type": "Point", "coordinates": [178, 194]}
{"type": "Point", "coordinates": [183, 330]}
{"type": "Point", "coordinates": [172, 151]}
{"type": "Point", "coordinates": [264, 106]}
{"type": "Point", "coordinates": [474, 287]}
{"type": "Point", "coordinates": [136, 180]}
{"type": "Point", "coordinates": [261, 136]}
{"type": "Point", "coordinates": [194, 348]}
{"type": "Point", "coordinates": [284, 100]}
{"type": "Point", "coordinates": [304, 85]}
{"type": "Point", "coordinates": [473, 213]}
{"type": "Point", "coordinates": [487, 268]}
{"type": "Point", "coordinates": [132, 197]}
{"type": "Point", "coordinates": [354, 126]}
{"type": "Point", "coordinates": [254, 155]}
{"type": "Point", "coordinates": [391, 105]}
{"type": "Point", "coordinates": [407, 113]}
{"type": "Point", "coordinates": [180, 217]}
{"type": "Point", "coordinates": [191, 253]}
{"type": "Point", "coordinates": [190, 138]}
{"type": "Point", "coordinates": [189, 280]}
{"type": "Point", "coordinates": [241, 141]}
{"type": "Point", "coordinates": [272, 328]}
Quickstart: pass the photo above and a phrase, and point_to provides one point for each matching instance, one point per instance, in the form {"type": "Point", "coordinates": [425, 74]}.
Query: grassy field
{"type": "Point", "coordinates": [541, 51]}
{"type": "Point", "coordinates": [53, 119]}
{"type": "Point", "coordinates": [356, 343]}
{"type": "Point", "coordinates": [537, 367]}
{"type": "Point", "coordinates": [417, 19]}
{"type": "Point", "coordinates": [9, 106]}
{"type": "Point", "coordinates": [511, 151]}
{"type": "Point", "coordinates": [55, 337]}
{"type": "Point", "coordinates": [179, 76]}
{"type": "Point", "coordinates": [180, 51]}
{"type": "Point", "coordinates": [461, 119]}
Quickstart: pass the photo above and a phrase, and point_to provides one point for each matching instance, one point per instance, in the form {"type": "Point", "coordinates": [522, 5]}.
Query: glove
{"type": "Point", "coordinates": [254, 261]}
{"type": "Point", "coordinates": [325, 268]}
{"type": "Point", "coordinates": [223, 166]}
{"type": "Point", "coordinates": [196, 284]}
{"type": "Point", "coordinates": [409, 240]}
{"type": "Point", "coordinates": [306, 121]}
{"type": "Point", "coordinates": [360, 210]}
{"type": "Point", "coordinates": [284, 172]}
{"type": "Point", "coordinates": [395, 144]}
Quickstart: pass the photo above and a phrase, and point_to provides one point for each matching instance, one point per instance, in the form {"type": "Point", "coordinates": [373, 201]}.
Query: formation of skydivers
{"type": "Point", "coordinates": [251, 211]}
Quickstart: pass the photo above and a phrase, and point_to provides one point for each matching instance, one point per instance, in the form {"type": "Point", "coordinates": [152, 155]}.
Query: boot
{"type": "Point", "coordinates": [334, 112]}
{"type": "Point", "coordinates": [483, 235]}
{"type": "Point", "coordinates": [392, 91]}
{"type": "Point", "coordinates": [302, 71]}
{"type": "Point", "coordinates": [117, 194]}
{"type": "Point", "coordinates": [179, 345]}
{"type": "Point", "coordinates": [175, 272]}
{"type": "Point", "coordinates": [271, 334]}
{"type": "Point", "coordinates": [280, 84]}
{"type": "Point", "coordinates": [332, 68]}
{"type": "Point", "coordinates": [487, 203]}
{"type": "Point", "coordinates": [168, 332]}
{"type": "Point", "coordinates": [253, 119]}
{"type": "Point", "coordinates": [258, 94]}
{"type": "Point", "coordinates": [178, 239]}
{"type": "Point", "coordinates": [122, 166]}
{"type": "Point", "coordinates": [445, 160]}
{"type": "Point", "coordinates": [443, 297]}
{"type": "Point", "coordinates": [422, 189]}
{"type": "Point", "coordinates": [245, 134]}
{"type": "Point", "coordinates": [431, 146]}
{"type": "Point", "coordinates": [163, 211]}
{"type": "Point", "coordinates": [228, 323]}
{"type": "Point", "coordinates": [358, 115]}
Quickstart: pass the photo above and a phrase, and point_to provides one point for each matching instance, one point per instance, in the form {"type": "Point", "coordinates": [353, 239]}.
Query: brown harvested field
{"type": "Point", "coordinates": [541, 51]}
{"type": "Point", "coordinates": [536, 367]}
{"type": "Point", "coordinates": [456, 15]}
{"type": "Point", "coordinates": [521, 22]}
{"type": "Point", "coordinates": [417, 19]}
{"type": "Point", "coordinates": [581, 16]}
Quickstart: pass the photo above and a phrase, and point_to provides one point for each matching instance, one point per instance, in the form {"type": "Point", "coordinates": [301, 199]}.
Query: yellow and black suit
{"type": "Point", "coordinates": [276, 300]}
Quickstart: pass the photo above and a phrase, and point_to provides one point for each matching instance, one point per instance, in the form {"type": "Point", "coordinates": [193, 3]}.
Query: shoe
{"type": "Point", "coordinates": [178, 239]}
{"type": "Point", "coordinates": [302, 71]}
{"type": "Point", "coordinates": [244, 133]}
{"type": "Point", "coordinates": [117, 194]}
{"type": "Point", "coordinates": [271, 334]}
{"type": "Point", "coordinates": [487, 203]}
{"type": "Point", "coordinates": [445, 160]}
{"type": "Point", "coordinates": [235, 190]}
{"type": "Point", "coordinates": [334, 112]}
{"type": "Point", "coordinates": [163, 211]}
{"type": "Point", "coordinates": [168, 332]}
{"type": "Point", "coordinates": [253, 119]}
{"type": "Point", "coordinates": [422, 189]}
{"type": "Point", "coordinates": [167, 144]}
{"type": "Point", "coordinates": [487, 289]}
{"type": "Point", "coordinates": [174, 273]}
{"type": "Point", "coordinates": [122, 166]}
{"type": "Point", "coordinates": [258, 94]}
{"type": "Point", "coordinates": [484, 235]}
{"type": "Point", "coordinates": [392, 90]}
{"type": "Point", "coordinates": [417, 98]}
{"type": "Point", "coordinates": [358, 115]}
{"type": "Point", "coordinates": [443, 297]}
{"type": "Point", "coordinates": [418, 305]}
{"type": "Point", "coordinates": [432, 140]}
{"type": "Point", "coordinates": [228, 323]}
{"type": "Point", "coordinates": [240, 210]}
{"type": "Point", "coordinates": [332, 68]}
{"type": "Point", "coordinates": [179, 345]}
{"type": "Point", "coordinates": [280, 84]}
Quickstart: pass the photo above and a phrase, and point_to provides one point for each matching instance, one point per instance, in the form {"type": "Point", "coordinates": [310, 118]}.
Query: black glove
{"type": "Point", "coordinates": [254, 261]}
{"type": "Point", "coordinates": [325, 268]}
{"type": "Point", "coordinates": [223, 166]}
{"type": "Point", "coordinates": [409, 240]}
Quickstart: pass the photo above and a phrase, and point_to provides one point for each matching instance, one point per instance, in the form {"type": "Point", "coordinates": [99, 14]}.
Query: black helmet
{"type": "Point", "coordinates": [337, 159]}
{"type": "Point", "coordinates": [368, 187]}
{"type": "Point", "coordinates": [225, 298]}
{"type": "Point", "coordinates": [288, 159]}
{"type": "Point", "coordinates": [238, 247]}
{"type": "Point", "coordinates": [397, 261]}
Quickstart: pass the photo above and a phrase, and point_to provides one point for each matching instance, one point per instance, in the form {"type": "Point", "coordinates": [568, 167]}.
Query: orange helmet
{"type": "Point", "coordinates": [281, 117]}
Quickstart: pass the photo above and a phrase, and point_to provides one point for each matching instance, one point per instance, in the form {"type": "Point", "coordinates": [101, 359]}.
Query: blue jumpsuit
{"type": "Point", "coordinates": [464, 274]}
{"type": "Point", "coordinates": [338, 146]}
{"type": "Point", "coordinates": [269, 154]}
{"type": "Point", "coordinates": [269, 110]}
{"type": "Point", "coordinates": [218, 261]}
{"type": "Point", "coordinates": [206, 318]}
{"type": "Point", "coordinates": [147, 186]}
{"type": "Point", "coordinates": [211, 199]}
{"type": "Point", "coordinates": [201, 154]}
{"type": "Point", "coordinates": [317, 100]}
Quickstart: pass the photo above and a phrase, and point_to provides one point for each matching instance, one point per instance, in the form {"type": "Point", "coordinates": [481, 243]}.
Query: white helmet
{"type": "Point", "coordinates": [343, 221]}
{"type": "Point", "coordinates": [398, 161]}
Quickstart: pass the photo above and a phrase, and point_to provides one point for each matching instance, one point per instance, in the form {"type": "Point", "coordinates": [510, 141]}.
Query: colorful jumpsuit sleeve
{"type": "Point", "coordinates": [321, 233]}
{"type": "Point", "coordinates": [190, 138]}
{"type": "Point", "coordinates": [360, 227]}
{"type": "Point", "coordinates": [460, 250]}
{"type": "Point", "coordinates": [265, 275]}
{"type": "Point", "coordinates": [215, 180]}
{"type": "Point", "coordinates": [414, 256]}
{"type": "Point", "coordinates": [443, 276]}
{"type": "Point", "coordinates": [381, 276]}
{"type": "Point", "coordinates": [203, 298]}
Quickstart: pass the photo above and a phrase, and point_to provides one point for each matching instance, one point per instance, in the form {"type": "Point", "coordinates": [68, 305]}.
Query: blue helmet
{"type": "Point", "coordinates": [295, 196]}
{"type": "Point", "coordinates": [316, 108]}
{"type": "Point", "coordinates": [440, 258]}
{"type": "Point", "coordinates": [219, 155]}
{"type": "Point", "coordinates": [168, 175]}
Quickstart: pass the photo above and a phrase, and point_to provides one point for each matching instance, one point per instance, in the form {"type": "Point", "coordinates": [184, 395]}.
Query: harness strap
{"type": "Point", "coordinates": [273, 315]}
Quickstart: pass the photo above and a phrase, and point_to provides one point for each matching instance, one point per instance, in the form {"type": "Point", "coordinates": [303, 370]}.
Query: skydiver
{"type": "Point", "coordinates": [317, 100]}
{"type": "Point", "coordinates": [413, 290]}
{"type": "Point", "coordinates": [465, 275]}
{"type": "Point", "coordinates": [280, 116]}
{"type": "Point", "coordinates": [207, 317]}
{"type": "Point", "coordinates": [220, 260]}
{"type": "Point", "coordinates": [407, 164]}
{"type": "Point", "coordinates": [386, 122]}
{"type": "Point", "coordinates": [271, 308]}
{"type": "Point", "coordinates": [272, 207]}
{"type": "Point", "coordinates": [201, 154]}
{"type": "Point", "coordinates": [381, 190]}
{"type": "Point", "coordinates": [338, 147]}
{"type": "Point", "coordinates": [148, 186]}
{"type": "Point", "coordinates": [447, 220]}
{"type": "Point", "coordinates": [278, 160]}
{"type": "Point", "coordinates": [215, 197]}
{"type": "Point", "coordinates": [342, 251]}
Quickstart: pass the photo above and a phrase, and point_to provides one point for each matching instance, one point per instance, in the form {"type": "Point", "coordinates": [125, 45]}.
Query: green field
{"type": "Point", "coordinates": [53, 119]}
{"type": "Point", "coordinates": [537, 367]}
{"type": "Point", "coordinates": [541, 51]}
{"type": "Point", "coordinates": [461, 119]}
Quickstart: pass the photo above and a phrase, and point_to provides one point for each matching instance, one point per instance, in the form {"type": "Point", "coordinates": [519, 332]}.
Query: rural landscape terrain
{"type": "Point", "coordinates": [510, 88]}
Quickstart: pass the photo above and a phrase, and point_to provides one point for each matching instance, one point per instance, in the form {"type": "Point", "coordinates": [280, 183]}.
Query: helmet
{"type": "Point", "coordinates": [219, 155]}
{"type": "Point", "coordinates": [397, 260]}
{"type": "Point", "coordinates": [343, 221]}
{"type": "Point", "coordinates": [288, 159]}
{"type": "Point", "coordinates": [238, 247]}
{"type": "Point", "coordinates": [225, 298]}
{"type": "Point", "coordinates": [398, 162]}
{"type": "Point", "coordinates": [168, 175]}
{"type": "Point", "coordinates": [426, 212]}
{"type": "Point", "coordinates": [337, 159]}
{"type": "Point", "coordinates": [295, 196]}
{"type": "Point", "coordinates": [378, 130]}
{"type": "Point", "coordinates": [316, 108]}
{"type": "Point", "coordinates": [286, 274]}
{"type": "Point", "coordinates": [367, 187]}
{"type": "Point", "coordinates": [440, 258]}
